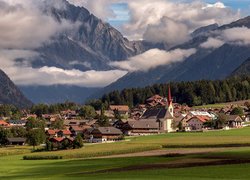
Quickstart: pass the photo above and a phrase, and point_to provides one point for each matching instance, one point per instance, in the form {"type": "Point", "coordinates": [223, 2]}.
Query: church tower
{"type": "Point", "coordinates": [170, 102]}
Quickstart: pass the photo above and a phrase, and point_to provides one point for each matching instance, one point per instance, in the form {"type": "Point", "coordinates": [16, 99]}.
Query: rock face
{"type": "Point", "coordinates": [10, 94]}
{"type": "Point", "coordinates": [90, 47]}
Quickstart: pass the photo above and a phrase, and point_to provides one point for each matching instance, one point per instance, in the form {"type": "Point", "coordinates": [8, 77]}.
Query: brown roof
{"type": "Point", "coordinates": [234, 118]}
{"type": "Point", "coordinates": [142, 124]}
{"type": "Point", "coordinates": [108, 131]}
{"type": "Point", "coordinates": [119, 107]}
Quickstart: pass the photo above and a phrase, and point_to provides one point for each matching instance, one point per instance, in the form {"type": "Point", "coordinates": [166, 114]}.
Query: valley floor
{"type": "Point", "coordinates": [200, 159]}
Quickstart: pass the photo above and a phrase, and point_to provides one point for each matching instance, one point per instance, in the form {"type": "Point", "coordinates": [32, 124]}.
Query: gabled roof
{"type": "Point", "coordinates": [203, 119]}
{"type": "Point", "coordinates": [53, 132]}
{"type": "Point", "coordinates": [234, 118]}
{"type": "Point", "coordinates": [143, 124]}
{"type": "Point", "coordinates": [157, 113]}
{"type": "Point", "coordinates": [108, 131]}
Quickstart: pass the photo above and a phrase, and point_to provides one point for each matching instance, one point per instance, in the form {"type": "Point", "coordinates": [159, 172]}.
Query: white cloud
{"type": "Point", "coordinates": [23, 25]}
{"type": "Point", "coordinates": [26, 75]}
{"type": "Point", "coordinates": [239, 35]}
{"type": "Point", "coordinates": [152, 59]}
{"type": "Point", "coordinates": [167, 30]}
{"type": "Point", "coordinates": [100, 8]}
{"type": "Point", "coordinates": [212, 43]}
{"type": "Point", "coordinates": [192, 15]}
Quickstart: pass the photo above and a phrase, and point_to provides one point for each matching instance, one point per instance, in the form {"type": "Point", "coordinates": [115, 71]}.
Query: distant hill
{"type": "Point", "coordinates": [57, 93]}
{"type": "Point", "coordinates": [10, 94]}
{"type": "Point", "coordinates": [244, 69]}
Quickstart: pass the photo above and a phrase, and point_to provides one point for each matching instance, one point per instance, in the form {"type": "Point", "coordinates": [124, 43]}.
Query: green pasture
{"type": "Point", "coordinates": [74, 164]}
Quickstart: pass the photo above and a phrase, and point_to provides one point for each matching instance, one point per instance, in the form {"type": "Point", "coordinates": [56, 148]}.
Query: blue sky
{"type": "Point", "coordinates": [122, 13]}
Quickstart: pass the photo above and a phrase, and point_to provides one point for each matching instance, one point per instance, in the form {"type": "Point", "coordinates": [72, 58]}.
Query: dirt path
{"type": "Point", "coordinates": [163, 152]}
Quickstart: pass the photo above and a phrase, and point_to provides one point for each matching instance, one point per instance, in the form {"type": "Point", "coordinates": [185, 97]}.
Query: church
{"type": "Point", "coordinates": [163, 116]}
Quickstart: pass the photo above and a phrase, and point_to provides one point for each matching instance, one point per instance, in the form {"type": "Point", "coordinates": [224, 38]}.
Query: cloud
{"type": "Point", "coordinates": [167, 30]}
{"type": "Point", "coordinates": [146, 14]}
{"type": "Point", "coordinates": [24, 74]}
{"type": "Point", "coordinates": [212, 43]}
{"type": "Point", "coordinates": [23, 25]}
{"type": "Point", "coordinates": [100, 8]}
{"type": "Point", "coordinates": [152, 59]}
{"type": "Point", "coordinates": [239, 35]}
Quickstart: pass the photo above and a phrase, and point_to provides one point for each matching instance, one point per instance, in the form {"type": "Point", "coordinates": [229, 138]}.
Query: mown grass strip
{"type": "Point", "coordinates": [206, 145]}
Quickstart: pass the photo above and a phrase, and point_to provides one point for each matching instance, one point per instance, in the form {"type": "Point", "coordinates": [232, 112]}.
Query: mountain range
{"type": "Point", "coordinates": [95, 44]}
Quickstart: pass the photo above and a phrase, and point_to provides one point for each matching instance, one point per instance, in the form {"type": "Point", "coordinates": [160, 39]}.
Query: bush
{"type": "Point", "coordinates": [78, 142]}
{"type": "Point", "coordinates": [41, 157]}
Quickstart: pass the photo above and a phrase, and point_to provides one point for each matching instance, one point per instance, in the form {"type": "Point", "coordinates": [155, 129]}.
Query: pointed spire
{"type": "Point", "coordinates": [169, 96]}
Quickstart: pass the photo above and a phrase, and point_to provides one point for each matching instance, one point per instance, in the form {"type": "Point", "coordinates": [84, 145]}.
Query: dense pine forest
{"type": "Point", "coordinates": [190, 93]}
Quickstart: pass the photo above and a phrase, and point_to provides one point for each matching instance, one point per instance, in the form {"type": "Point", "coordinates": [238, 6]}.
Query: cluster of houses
{"type": "Point", "coordinates": [157, 115]}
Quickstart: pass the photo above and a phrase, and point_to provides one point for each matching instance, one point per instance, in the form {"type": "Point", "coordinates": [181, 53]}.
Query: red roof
{"type": "Point", "coordinates": [201, 118]}
{"type": "Point", "coordinates": [66, 132]}
{"type": "Point", "coordinates": [53, 132]}
{"type": "Point", "coordinates": [3, 123]}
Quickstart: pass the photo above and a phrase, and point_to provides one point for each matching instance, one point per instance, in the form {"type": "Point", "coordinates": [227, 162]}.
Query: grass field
{"type": "Point", "coordinates": [233, 163]}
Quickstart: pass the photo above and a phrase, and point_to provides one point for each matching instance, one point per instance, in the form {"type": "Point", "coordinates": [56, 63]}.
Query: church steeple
{"type": "Point", "coordinates": [169, 96]}
{"type": "Point", "coordinates": [170, 102]}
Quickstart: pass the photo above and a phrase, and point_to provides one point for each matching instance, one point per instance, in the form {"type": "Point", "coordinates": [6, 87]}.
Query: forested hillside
{"type": "Point", "coordinates": [191, 93]}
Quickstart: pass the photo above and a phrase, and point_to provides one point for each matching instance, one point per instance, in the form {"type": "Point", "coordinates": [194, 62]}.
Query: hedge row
{"type": "Point", "coordinates": [41, 157]}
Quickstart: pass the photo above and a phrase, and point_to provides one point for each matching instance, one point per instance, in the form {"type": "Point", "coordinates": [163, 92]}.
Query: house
{"type": "Point", "coordinates": [4, 123]}
{"type": "Point", "coordinates": [17, 122]}
{"type": "Point", "coordinates": [59, 141]}
{"type": "Point", "coordinates": [234, 121]}
{"type": "Point", "coordinates": [142, 127]}
{"type": "Point", "coordinates": [16, 141]}
{"type": "Point", "coordinates": [196, 123]}
{"type": "Point", "coordinates": [75, 130]}
{"type": "Point", "coordinates": [104, 134]}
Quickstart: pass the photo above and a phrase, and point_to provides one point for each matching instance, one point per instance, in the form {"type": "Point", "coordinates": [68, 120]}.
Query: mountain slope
{"type": "Point", "coordinates": [57, 93]}
{"type": "Point", "coordinates": [10, 94]}
{"type": "Point", "coordinates": [243, 69]}
{"type": "Point", "coordinates": [210, 64]}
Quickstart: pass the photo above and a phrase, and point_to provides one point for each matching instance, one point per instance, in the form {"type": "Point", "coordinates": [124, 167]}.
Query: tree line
{"type": "Point", "coordinates": [190, 93]}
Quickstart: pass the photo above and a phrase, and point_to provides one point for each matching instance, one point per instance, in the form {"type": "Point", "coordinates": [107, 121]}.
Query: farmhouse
{"type": "Point", "coordinates": [58, 133]}
{"type": "Point", "coordinates": [104, 134]}
{"type": "Point", "coordinates": [234, 121]}
{"type": "Point", "coordinates": [196, 123]}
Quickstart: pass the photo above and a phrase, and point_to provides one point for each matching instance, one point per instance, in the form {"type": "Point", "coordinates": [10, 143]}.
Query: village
{"type": "Point", "coordinates": [158, 115]}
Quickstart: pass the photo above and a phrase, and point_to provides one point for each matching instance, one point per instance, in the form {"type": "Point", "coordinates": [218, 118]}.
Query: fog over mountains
{"type": "Point", "coordinates": [73, 54]}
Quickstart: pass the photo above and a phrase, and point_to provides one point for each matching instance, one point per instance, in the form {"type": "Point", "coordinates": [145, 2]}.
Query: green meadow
{"type": "Point", "coordinates": [228, 163]}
